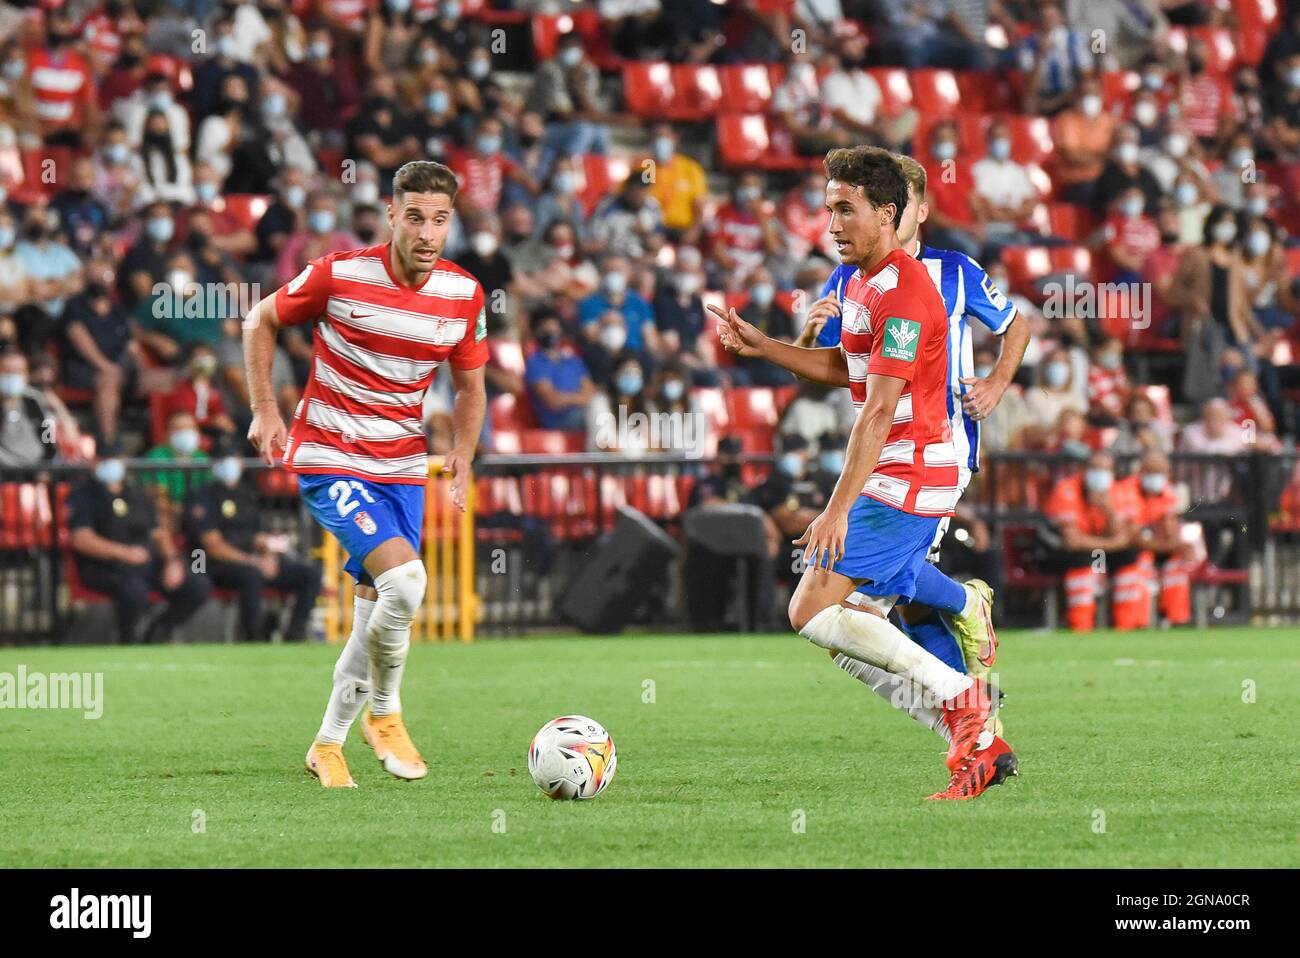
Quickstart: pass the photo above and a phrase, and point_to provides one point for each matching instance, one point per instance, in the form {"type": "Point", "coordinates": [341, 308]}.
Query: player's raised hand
{"type": "Point", "coordinates": [457, 464]}
{"type": "Point", "coordinates": [822, 310]}
{"type": "Point", "coordinates": [267, 433]}
{"type": "Point", "coordinates": [736, 335]}
{"type": "Point", "coordinates": [823, 541]}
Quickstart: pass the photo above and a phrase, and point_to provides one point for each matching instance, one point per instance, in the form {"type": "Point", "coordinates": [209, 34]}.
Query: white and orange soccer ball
{"type": "Point", "coordinates": [572, 757]}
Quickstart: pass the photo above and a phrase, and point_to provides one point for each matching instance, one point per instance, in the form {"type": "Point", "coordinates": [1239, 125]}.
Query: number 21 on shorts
{"type": "Point", "coordinates": [341, 495]}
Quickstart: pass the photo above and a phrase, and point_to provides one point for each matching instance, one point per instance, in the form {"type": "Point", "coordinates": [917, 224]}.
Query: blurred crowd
{"type": "Point", "coordinates": [151, 153]}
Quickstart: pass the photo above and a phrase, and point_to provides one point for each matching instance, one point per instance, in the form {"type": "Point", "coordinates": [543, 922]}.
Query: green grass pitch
{"type": "Point", "coordinates": [1136, 750]}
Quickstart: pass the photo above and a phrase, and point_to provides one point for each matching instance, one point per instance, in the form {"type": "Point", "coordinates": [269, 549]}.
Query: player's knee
{"type": "Point", "coordinates": [801, 611]}
{"type": "Point", "coordinates": [401, 588]}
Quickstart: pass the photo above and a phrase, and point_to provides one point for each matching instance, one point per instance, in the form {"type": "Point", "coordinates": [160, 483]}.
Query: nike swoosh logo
{"type": "Point", "coordinates": [355, 315]}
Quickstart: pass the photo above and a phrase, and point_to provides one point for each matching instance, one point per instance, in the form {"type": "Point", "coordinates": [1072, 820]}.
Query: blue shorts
{"type": "Point", "coordinates": [361, 514]}
{"type": "Point", "coordinates": [887, 547]}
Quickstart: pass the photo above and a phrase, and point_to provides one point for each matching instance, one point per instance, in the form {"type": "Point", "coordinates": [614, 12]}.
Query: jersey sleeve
{"type": "Point", "coordinates": [984, 300]}
{"type": "Point", "coordinates": [303, 298]}
{"type": "Point", "coordinates": [472, 350]}
{"type": "Point", "coordinates": [897, 335]}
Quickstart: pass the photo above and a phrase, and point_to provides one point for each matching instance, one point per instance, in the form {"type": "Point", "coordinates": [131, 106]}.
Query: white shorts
{"type": "Point", "coordinates": [963, 480]}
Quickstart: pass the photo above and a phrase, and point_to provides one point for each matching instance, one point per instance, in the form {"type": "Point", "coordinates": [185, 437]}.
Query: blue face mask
{"type": "Point", "coordinates": [814, 198]}
{"type": "Point", "coordinates": [945, 150]}
{"type": "Point", "coordinates": [160, 229]}
{"type": "Point", "coordinates": [438, 101]}
{"type": "Point", "coordinates": [1056, 375]}
{"type": "Point", "coordinates": [1098, 480]}
{"type": "Point", "coordinates": [320, 221]}
{"type": "Point", "coordinates": [628, 384]}
{"type": "Point", "coordinates": [674, 389]}
{"type": "Point", "coordinates": [1075, 449]}
{"type": "Point", "coordinates": [227, 471]}
{"type": "Point", "coordinates": [791, 464]}
{"type": "Point", "coordinates": [1000, 148]}
{"type": "Point", "coordinates": [206, 191]}
{"type": "Point", "coordinates": [184, 441]}
{"type": "Point", "coordinates": [111, 471]}
{"type": "Point", "coordinates": [1153, 483]}
{"type": "Point", "coordinates": [833, 461]}
{"type": "Point", "coordinates": [12, 384]}
{"type": "Point", "coordinates": [762, 294]}
{"type": "Point", "coordinates": [488, 145]}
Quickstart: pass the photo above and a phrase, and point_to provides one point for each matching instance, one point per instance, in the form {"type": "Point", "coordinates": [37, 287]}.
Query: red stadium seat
{"type": "Point", "coordinates": [1072, 259]}
{"type": "Point", "coordinates": [983, 92]}
{"type": "Point", "coordinates": [549, 442]}
{"type": "Point", "coordinates": [508, 355]}
{"type": "Point", "coordinates": [546, 31]}
{"type": "Point", "coordinates": [26, 519]}
{"type": "Point", "coordinates": [747, 140]}
{"type": "Point", "coordinates": [746, 87]}
{"type": "Point", "coordinates": [1118, 86]}
{"type": "Point", "coordinates": [699, 91]}
{"type": "Point", "coordinates": [935, 92]}
{"type": "Point", "coordinates": [506, 442]}
{"type": "Point", "coordinates": [599, 177]}
{"type": "Point", "coordinates": [1025, 265]}
{"type": "Point", "coordinates": [1257, 20]}
{"type": "Point", "coordinates": [648, 88]}
{"type": "Point", "coordinates": [1031, 138]}
{"type": "Point", "coordinates": [895, 89]}
{"type": "Point", "coordinates": [246, 209]}
{"type": "Point", "coordinates": [713, 403]}
{"type": "Point", "coordinates": [508, 411]}
{"type": "Point", "coordinates": [1070, 221]}
{"type": "Point", "coordinates": [752, 408]}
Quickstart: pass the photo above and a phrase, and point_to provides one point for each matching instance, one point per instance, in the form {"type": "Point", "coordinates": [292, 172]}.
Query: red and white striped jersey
{"type": "Point", "coordinates": [895, 324]}
{"type": "Point", "coordinates": [378, 344]}
{"type": "Point", "coordinates": [62, 86]}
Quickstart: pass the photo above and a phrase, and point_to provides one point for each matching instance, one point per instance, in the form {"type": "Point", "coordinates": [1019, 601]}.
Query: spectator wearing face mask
{"type": "Point", "coordinates": [1057, 389]}
{"type": "Point", "coordinates": [146, 262]}
{"type": "Point", "coordinates": [1282, 133]}
{"type": "Point", "coordinates": [164, 169]}
{"type": "Point", "coordinates": [116, 178]}
{"type": "Point", "coordinates": [612, 408]}
{"type": "Point", "coordinates": [1205, 103]}
{"type": "Point", "coordinates": [1149, 499]}
{"type": "Point", "coordinates": [1142, 430]}
{"type": "Point", "coordinates": [1124, 171]}
{"type": "Point", "coordinates": [98, 351]}
{"type": "Point", "coordinates": [816, 410]}
{"type": "Point", "coordinates": [181, 444]}
{"type": "Point", "coordinates": [62, 85]}
{"type": "Point", "coordinates": [792, 498]}
{"type": "Point", "coordinates": [1129, 237]}
{"type": "Point", "coordinates": [155, 97]}
{"type": "Point", "coordinates": [742, 233]}
{"type": "Point", "coordinates": [321, 235]}
{"type": "Point", "coordinates": [1003, 196]}
{"type": "Point", "coordinates": [442, 129]}
{"type": "Point", "coordinates": [615, 294]}
{"type": "Point", "coordinates": [83, 216]}
{"type": "Point", "coordinates": [55, 274]}
{"type": "Point", "coordinates": [224, 519]}
{"type": "Point", "coordinates": [384, 132]}
{"type": "Point", "coordinates": [1000, 429]}
{"type": "Point", "coordinates": [1082, 519]}
{"type": "Point", "coordinates": [199, 396]}
{"type": "Point", "coordinates": [558, 383]}
{"type": "Point", "coordinates": [1083, 134]}
{"type": "Point", "coordinates": [1238, 165]}
{"type": "Point", "coordinates": [326, 83]}
{"type": "Point", "coordinates": [680, 185]}
{"type": "Point", "coordinates": [826, 470]}
{"type": "Point", "coordinates": [566, 93]}
{"type": "Point", "coordinates": [764, 313]}
{"type": "Point", "coordinates": [688, 432]}
{"type": "Point", "coordinates": [484, 168]}
{"type": "Point", "coordinates": [27, 424]}
{"type": "Point", "coordinates": [1177, 156]}
{"type": "Point", "coordinates": [629, 222]}
{"type": "Point", "coordinates": [123, 551]}
{"type": "Point", "coordinates": [804, 220]}
{"type": "Point", "coordinates": [1266, 275]}
{"type": "Point", "coordinates": [560, 203]}
{"type": "Point", "coordinates": [952, 223]}
{"type": "Point", "coordinates": [679, 317]}
{"type": "Point", "coordinates": [15, 283]}
{"type": "Point", "coordinates": [1108, 385]}
{"type": "Point", "coordinates": [489, 264]}
{"type": "Point", "coordinates": [210, 75]}
{"type": "Point", "coordinates": [1210, 292]}
{"type": "Point", "coordinates": [1192, 209]}
{"type": "Point", "coordinates": [181, 312]}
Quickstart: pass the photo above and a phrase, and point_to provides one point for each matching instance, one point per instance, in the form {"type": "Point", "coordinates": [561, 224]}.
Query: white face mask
{"type": "Point", "coordinates": [615, 284]}
{"type": "Point", "coordinates": [1258, 242]}
{"type": "Point", "coordinates": [1177, 144]}
{"type": "Point", "coordinates": [1127, 153]}
{"type": "Point", "coordinates": [1257, 206]}
{"type": "Point", "coordinates": [1225, 231]}
{"type": "Point", "coordinates": [1153, 483]}
{"type": "Point", "coordinates": [1090, 105]}
{"type": "Point", "coordinates": [613, 338]}
{"type": "Point", "coordinates": [483, 244]}
{"type": "Point", "coordinates": [1146, 113]}
{"type": "Point", "coordinates": [184, 441]}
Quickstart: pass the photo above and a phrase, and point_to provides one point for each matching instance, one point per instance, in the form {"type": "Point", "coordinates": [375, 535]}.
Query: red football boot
{"type": "Point", "coordinates": [965, 715]}
{"type": "Point", "coordinates": [986, 768]}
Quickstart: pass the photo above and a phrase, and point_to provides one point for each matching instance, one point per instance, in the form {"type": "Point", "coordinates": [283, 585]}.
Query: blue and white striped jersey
{"type": "Point", "coordinates": [966, 291]}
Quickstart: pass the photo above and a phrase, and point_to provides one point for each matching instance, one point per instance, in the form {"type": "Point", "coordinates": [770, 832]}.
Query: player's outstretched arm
{"type": "Point", "coordinates": [267, 432]}
{"type": "Point", "coordinates": [466, 426]}
{"type": "Point", "coordinates": [825, 536]}
{"type": "Point", "coordinates": [825, 365]}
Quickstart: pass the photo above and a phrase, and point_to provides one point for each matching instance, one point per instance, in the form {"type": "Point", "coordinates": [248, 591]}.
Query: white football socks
{"type": "Point", "coordinates": [874, 640]}
{"type": "Point", "coordinates": [401, 591]}
{"type": "Point", "coordinates": [897, 691]}
{"type": "Point", "coordinates": [351, 679]}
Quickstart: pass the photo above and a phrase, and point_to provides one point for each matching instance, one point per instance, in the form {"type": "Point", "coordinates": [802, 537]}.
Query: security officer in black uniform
{"type": "Point", "coordinates": [124, 551]}
{"type": "Point", "coordinates": [224, 519]}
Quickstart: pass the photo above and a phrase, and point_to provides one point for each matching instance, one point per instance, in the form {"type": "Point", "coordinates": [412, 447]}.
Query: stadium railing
{"type": "Point", "coordinates": [537, 519]}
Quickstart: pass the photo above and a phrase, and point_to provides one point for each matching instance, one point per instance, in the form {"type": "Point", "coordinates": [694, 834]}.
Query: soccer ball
{"type": "Point", "coordinates": [572, 757]}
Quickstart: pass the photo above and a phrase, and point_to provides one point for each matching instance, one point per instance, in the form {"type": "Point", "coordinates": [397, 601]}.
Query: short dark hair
{"type": "Point", "coordinates": [424, 176]}
{"type": "Point", "coordinates": [875, 170]}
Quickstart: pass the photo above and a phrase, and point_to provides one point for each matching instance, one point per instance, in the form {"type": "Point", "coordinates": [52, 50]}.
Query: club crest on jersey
{"type": "Point", "coordinates": [900, 339]}
{"type": "Point", "coordinates": [365, 523]}
{"type": "Point", "coordinates": [480, 328]}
